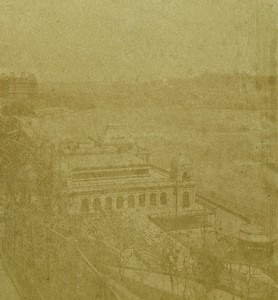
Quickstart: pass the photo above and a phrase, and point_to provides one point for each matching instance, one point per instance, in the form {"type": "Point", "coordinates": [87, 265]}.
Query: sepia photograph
{"type": "Point", "coordinates": [138, 150]}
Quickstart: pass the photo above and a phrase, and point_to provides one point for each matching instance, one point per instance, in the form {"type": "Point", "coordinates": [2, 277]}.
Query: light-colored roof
{"type": "Point", "coordinates": [103, 160]}
{"type": "Point", "coordinates": [254, 238]}
{"type": "Point", "coordinates": [254, 234]}
{"type": "Point", "coordinates": [153, 179]}
{"type": "Point", "coordinates": [252, 229]}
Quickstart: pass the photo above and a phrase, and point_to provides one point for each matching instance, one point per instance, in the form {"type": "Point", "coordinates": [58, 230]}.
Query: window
{"type": "Point", "coordinates": [163, 199]}
{"type": "Point", "coordinates": [97, 205]}
{"type": "Point", "coordinates": [108, 203]}
{"type": "Point", "coordinates": [85, 205]}
{"type": "Point", "coordinates": [153, 199]}
{"type": "Point", "coordinates": [142, 200]}
{"type": "Point", "coordinates": [120, 202]}
{"type": "Point", "coordinates": [130, 201]}
{"type": "Point", "coordinates": [185, 176]}
{"type": "Point", "coordinates": [185, 200]}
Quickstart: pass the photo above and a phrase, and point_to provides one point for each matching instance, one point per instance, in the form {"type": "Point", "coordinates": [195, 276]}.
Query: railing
{"type": "Point", "coordinates": [244, 212]}
{"type": "Point", "coordinates": [107, 185]}
{"type": "Point", "coordinates": [185, 212]}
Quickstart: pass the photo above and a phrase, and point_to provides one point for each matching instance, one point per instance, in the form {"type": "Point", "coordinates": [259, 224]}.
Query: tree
{"type": "Point", "coordinates": [121, 234]}
{"type": "Point", "coordinates": [28, 165]}
{"type": "Point", "coordinates": [224, 249]}
{"type": "Point", "coordinates": [16, 152]}
{"type": "Point", "coordinates": [208, 267]}
{"type": "Point", "coordinates": [28, 168]}
{"type": "Point", "coordinates": [232, 277]}
{"type": "Point", "coordinates": [170, 259]}
{"type": "Point", "coordinates": [247, 274]}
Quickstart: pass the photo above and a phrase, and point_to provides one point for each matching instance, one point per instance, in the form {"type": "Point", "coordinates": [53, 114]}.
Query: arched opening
{"type": "Point", "coordinates": [97, 205]}
{"type": "Point", "coordinates": [185, 200]}
{"type": "Point", "coordinates": [153, 199]}
{"type": "Point", "coordinates": [163, 199]}
{"type": "Point", "coordinates": [142, 200]}
{"type": "Point", "coordinates": [85, 207]}
{"type": "Point", "coordinates": [119, 202]}
{"type": "Point", "coordinates": [130, 201]}
{"type": "Point", "coordinates": [108, 203]}
{"type": "Point", "coordinates": [185, 176]}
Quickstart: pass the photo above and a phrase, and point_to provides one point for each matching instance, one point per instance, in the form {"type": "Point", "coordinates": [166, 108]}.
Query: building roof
{"type": "Point", "coordinates": [154, 180]}
{"type": "Point", "coordinates": [103, 161]}
{"type": "Point", "coordinates": [254, 234]}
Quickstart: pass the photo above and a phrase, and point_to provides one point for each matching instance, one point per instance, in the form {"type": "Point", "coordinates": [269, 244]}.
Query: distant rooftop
{"type": "Point", "coordinates": [103, 160]}
{"type": "Point", "coordinates": [23, 75]}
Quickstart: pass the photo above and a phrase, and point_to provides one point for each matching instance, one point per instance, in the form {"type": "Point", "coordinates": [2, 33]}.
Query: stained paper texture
{"type": "Point", "coordinates": [138, 150]}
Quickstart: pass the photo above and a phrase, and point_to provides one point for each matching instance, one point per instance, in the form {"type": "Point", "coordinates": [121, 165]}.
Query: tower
{"type": "Point", "coordinates": [180, 169]}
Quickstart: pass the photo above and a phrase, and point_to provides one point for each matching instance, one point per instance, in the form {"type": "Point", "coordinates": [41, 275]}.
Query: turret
{"type": "Point", "coordinates": [143, 153]}
{"type": "Point", "coordinates": [180, 169]}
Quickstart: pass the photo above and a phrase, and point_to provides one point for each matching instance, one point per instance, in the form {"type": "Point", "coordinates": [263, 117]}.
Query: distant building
{"type": "Point", "coordinates": [23, 86]}
{"type": "Point", "coordinates": [111, 177]}
{"type": "Point", "coordinates": [118, 180]}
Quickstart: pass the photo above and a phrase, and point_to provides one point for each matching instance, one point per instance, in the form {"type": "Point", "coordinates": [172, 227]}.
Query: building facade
{"type": "Point", "coordinates": [111, 178]}
{"type": "Point", "coordinates": [23, 86]}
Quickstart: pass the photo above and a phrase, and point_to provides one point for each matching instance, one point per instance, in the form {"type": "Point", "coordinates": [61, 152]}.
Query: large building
{"type": "Point", "coordinates": [108, 177]}
{"type": "Point", "coordinates": [254, 242]}
{"type": "Point", "coordinates": [23, 86]}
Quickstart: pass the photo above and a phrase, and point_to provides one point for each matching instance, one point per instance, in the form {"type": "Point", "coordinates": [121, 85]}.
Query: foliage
{"type": "Point", "coordinates": [124, 234]}
{"type": "Point", "coordinates": [208, 268]}
{"type": "Point", "coordinates": [28, 165]}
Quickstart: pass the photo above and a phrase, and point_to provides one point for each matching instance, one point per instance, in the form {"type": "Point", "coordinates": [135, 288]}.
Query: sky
{"type": "Point", "coordinates": [84, 40]}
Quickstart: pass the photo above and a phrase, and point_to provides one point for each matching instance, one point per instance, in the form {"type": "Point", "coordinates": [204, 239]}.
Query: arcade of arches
{"type": "Point", "coordinates": [131, 201]}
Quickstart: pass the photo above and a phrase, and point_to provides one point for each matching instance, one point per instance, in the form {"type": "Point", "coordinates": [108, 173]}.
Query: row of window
{"type": "Point", "coordinates": [108, 204]}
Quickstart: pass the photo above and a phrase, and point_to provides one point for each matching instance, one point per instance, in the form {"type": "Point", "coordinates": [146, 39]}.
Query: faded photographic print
{"type": "Point", "coordinates": [138, 150]}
